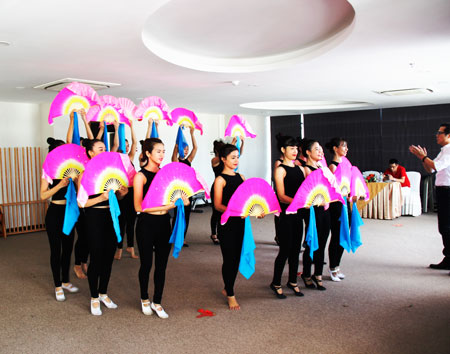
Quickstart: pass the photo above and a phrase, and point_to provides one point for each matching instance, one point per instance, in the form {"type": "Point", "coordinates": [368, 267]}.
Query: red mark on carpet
{"type": "Point", "coordinates": [205, 313]}
{"type": "Point", "coordinates": [397, 225]}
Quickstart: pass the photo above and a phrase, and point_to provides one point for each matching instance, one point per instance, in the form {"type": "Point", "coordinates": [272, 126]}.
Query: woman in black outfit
{"type": "Point", "coordinates": [61, 245]}
{"type": "Point", "coordinates": [102, 237]}
{"type": "Point", "coordinates": [314, 153]}
{"type": "Point", "coordinates": [188, 161]}
{"type": "Point", "coordinates": [217, 167]}
{"type": "Point", "coordinates": [153, 229]}
{"type": "Point", "coordinates": [288, 177]}
{"type": "Point", "coordinates": [338, 148]}
{"type": "Point", "coordinates": [231, 234]}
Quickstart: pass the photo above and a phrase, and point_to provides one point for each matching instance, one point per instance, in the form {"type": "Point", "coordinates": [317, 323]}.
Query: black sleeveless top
{"type": "Point", "coordinates": [292, 181]}
{"type": "Point", "coordinates": [218, 169]}
{"type": "Point", "coordinates": [311, 168]}
{"type": "Point", "coordinates": [334, 163]}
{"type": "Point", "coordinates": [185, 161]}
{"type": "Point", "coordinates": [59, 195]}
{"type": "Point", "coordinates": [302, 163]}
{"type": "Point", "coordinates": [232, 183]}
{"type": "Point", "coordinates": [149, 175]}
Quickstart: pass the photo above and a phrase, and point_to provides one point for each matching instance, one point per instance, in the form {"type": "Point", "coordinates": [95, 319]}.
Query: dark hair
{"type": "Point", "coordinates": [217, 145]}
{"type": "Point", "coordinates": [227, 149]}
{"type": "Point", "coordinates": [392, 161]}
{"type": "Point", "coordinates": [54, 143]}
{"type": "Point", "coordinates": [148, 145]}
{"type": "Point", "coordinates": [307, 144]}
{"type": "Point", "coordinates": [88, 144]}
{"type": "Point", "coordinates": [447, 128]}
{"type": "Point", "coordinates": [284, 141]}
{"type": "Point", "coordinates": [334, 142]}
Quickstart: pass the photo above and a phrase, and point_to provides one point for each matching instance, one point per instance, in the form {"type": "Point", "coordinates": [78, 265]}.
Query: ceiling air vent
{"type": "Point", "coordinates": [404, 92]}
{"type": "Point", "coordinates": [58, 85]}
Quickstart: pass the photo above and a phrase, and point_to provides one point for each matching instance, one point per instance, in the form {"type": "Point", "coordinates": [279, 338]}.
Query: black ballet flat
{"type": "Point", "coordinates": [318, 283]}
{"type": "Point", "coordinates": [308, 282]}
{"type": "Point", "coordinates": [297, 293]}
{"type": "Point", "coordinates": [277, 294]}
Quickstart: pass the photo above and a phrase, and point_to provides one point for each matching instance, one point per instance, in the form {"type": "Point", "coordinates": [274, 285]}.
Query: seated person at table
{"type": "Point", "coordinates": [396, 173]}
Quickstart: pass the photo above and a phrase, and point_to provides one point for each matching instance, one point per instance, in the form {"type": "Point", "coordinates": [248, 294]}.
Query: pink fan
{"type": "Point", "coordinates": [358, 186]}
{"type": "Point", "coordinates": [238, 126]}
{"type": "Point", "coordinates": [73, 96]}
{"type": "Point", "coordinates": [170, 183]}
{"type": "Point", "coordinates": [107, 110]}
{"type": "Point", "coordinates": [131, 172]}
{"type": "Point", "coordinates": [67, 160]}
{"type": "Point", "coordinates": [183, 116]}
{"type": "Point", "coordinates": [343, 176]}
{"type": "Point", "coordinates": [254, 197]}
{"type": "Point", "coordinates": [127, 107]}
{"type": "Point", "coordinates": [154, 108]}
{"type": "Point", "coordinates": [315, 190]}
{"type": "Point", "coordinates": [103, 172]}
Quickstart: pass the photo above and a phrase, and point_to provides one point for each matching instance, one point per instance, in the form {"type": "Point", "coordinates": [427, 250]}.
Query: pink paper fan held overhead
{"type": "Point", "coordinates": [68, 160]}
{"type": "Point", "coordinates": [155, 108]}
{"type": "Point", "coordinates": [73, 96]}
{"type": "Point", "coordinates": [185, 117]}
{"type": "Point", "coordinates": [254, 197]}
{"type": "Point", "coordinates": [238, 126]}
{"type": "Point", "coordinates": [171, 182]}
{"type": "Point", "coordinates": [107, 110]}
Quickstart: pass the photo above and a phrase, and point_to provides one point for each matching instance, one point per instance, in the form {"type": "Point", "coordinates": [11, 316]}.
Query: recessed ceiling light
{"type": "Point", "coordinates": [20, 87]}
{"type": "Point", "coordinates": [5, 43]}
{"type": "Point", "coordinates": [304, 105]}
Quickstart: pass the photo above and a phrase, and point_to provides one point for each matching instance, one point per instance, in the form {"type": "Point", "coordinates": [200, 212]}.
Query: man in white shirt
{"type": "Point", "coordinates": [441, 164]}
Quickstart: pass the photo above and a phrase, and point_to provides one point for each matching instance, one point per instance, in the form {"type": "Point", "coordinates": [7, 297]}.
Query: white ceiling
{"type": "Point", "coordinates": [283, 50]}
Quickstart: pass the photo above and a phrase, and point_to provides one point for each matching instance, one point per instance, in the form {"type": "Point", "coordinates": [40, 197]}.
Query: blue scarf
{"type": "Point", "coordinates": [344, 231]}
{"type": "Point", "coordinates": [355, 234]}
{"type": "Point", "coordinates": [247, 262]}
{"type": "Point", "coordinates": [105, 138]}
{"type": "Point", "coordinates": [115, 212]}
{"type": "Point", "coordinates": [181, 142]}
{"type": "Point", "coordinates": [238, 145]}
{"type": "Point", "coordinates": [177, 237]}
{"type": "Point", "coordinates": [311, 236]}
{"type": "Point", "coordinates": [76, 130]}
{"type": "Point", "coordinates": [122, 142]}
{"type": "Point", "coordinates": [72, 211]}
{"type": "Point", "coordinates": [154, 133]}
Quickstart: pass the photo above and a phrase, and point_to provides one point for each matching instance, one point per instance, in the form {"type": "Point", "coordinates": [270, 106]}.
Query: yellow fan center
{"type": "Point", "coordinates": [109, 115]}
{"type": "Point", "coordinates": [256, 206]}
{"type": "Point", "coordinates": [153, 113]}
{"type": "Point", "coordinates": [318, 196]}
{"type": "Point", "coordinates": [110, 178]}
{"type": "Point", "coordinates": [345, 186]}
{"type": "Point", "coordinates": [70, 168]}
{"type": "Point", "coordinates": [175, 190]}
{"type": "Point", "coordinates": [75, 102]}
{"type": "Point", "coordinates": [360, 191]}
{"type": "Point", "coordinates": [237, 131]}
{"type": "Point", "coordinates": [186, 121]}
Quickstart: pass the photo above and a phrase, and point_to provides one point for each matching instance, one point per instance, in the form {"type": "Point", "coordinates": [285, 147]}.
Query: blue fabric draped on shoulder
{"type": "Point", "coordinates": [115, 212]}
{"type": "Point", "coordinates": [247, 262]}
{"type": "Point", "coordinates": [72, 211]}
{"type": "Point", "coordinates": [312, 240]}
{"type": "Point", "coordinates": [177, 237]}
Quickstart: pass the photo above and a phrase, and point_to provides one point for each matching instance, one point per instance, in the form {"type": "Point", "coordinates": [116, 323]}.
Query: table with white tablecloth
{"type": "Point", "coordinates": [385, 201]}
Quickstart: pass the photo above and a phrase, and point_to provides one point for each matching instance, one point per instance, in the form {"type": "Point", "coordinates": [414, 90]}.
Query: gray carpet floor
{"type": "Point", "coordinates": [390, 302]}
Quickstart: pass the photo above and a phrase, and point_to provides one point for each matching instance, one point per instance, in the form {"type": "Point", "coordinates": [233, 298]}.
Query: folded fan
{"type": "Point", "coordinates": [68, 160]}
{"type": "Point", "coordinates": [107, 110]}
{"type": "Point", "coordinates": [73, 96]}
{"type": "Point", "coordinates": [238, 126]}
{"type": "Point", "coordinates": [358, 186]}
{"type": "Point", "coordinates": [170, 183]}
{"type": "Point", "coordinates": [155, 108]}
{"type": "Point", "coordinates": [316, 189]}
{"type": "Point", "coordinates": [183, 116]}
{"type": "Point", "coordinates": [343, 176]}
{"type": "Point", "coordinates": [254, 197]}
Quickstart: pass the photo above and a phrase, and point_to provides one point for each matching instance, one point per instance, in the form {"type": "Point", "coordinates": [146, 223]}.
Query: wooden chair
{"type": "Point", "coordinates": [2, 224]}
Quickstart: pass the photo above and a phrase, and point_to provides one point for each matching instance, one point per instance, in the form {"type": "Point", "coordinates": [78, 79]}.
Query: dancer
{"type": "Point", "coordinates": [231, 234]}
{"type": "Point", "coordinates": [288, 177]}
{"type": "Point", "coordinates": [314, 153]}
{"type": "Point", "coordinates": [338, 149]}
{"type": "Point", "coordinates": [61, 245]}
{"type": "Point", "coordinates": [101, 237]}
{"type": "Point", "coordinates": [153, 229]}
{"type": "Point", "coordinates": [217, 167]}
{"type": "Point", "coordinates": [188, 161]}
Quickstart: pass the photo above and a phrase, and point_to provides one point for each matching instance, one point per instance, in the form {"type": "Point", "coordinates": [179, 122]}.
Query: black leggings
{"type": "Point", "coordinates": [335, 250]}
{"type": "Point", "coordinates": [102, 241]}
{"type": "Point", "coordinates": [61, 245]}
{"type": "Point", "coordinates": [215, 216]}
{"type": "Point", "coordinates": [127, 219]}
{"type": "Point", "coordinates": [231, 236]}
{"type": "Point", "coordinates": [153, 231]}
{"type": "Point", "coordinates": [323, 229]}
{"type": "Point", "coordinates": [290, 233]}
{"type": "Point", "coordinates": [81, 246]}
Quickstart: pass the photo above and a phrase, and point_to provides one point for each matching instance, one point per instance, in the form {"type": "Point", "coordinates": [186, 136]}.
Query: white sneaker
{"type": "Point", "coordinates": [340, 274]}
{"type": "Point", "coordinates": [159, 310]}
{"type": "Point", "coordinates": [334, 275]}
{"type": "Point", "coordinates": [146, 309]}
{"type": "Point", "coordinates": [95, 307]}
{"type": "Point", "coordinates": [60, 294]}
{"type": "Point", "coordinates": [107, 301]}
{"type": "Point", "coordinates": [70, 287]}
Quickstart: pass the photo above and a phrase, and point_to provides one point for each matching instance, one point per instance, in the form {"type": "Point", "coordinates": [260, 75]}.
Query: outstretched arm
{"type": "Point", "coordinates": [101, 130]}
{"type": "Point", "coordinates": [133, 142]}
{"type": "Point", "coordinates": [116, 137]}
{"type": "Point", "coordinates": [149, 129]}
{"type": "Point", "coordinates": [421, 154]}
{"type": "Point", "coordinates": [194, 146]}
{"type": "Point", "coordinates": [175, 153]}
{"type": "Point", "coordinates": [70, 130]}
{"type": "Point", "coordinates": [86, 124]}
